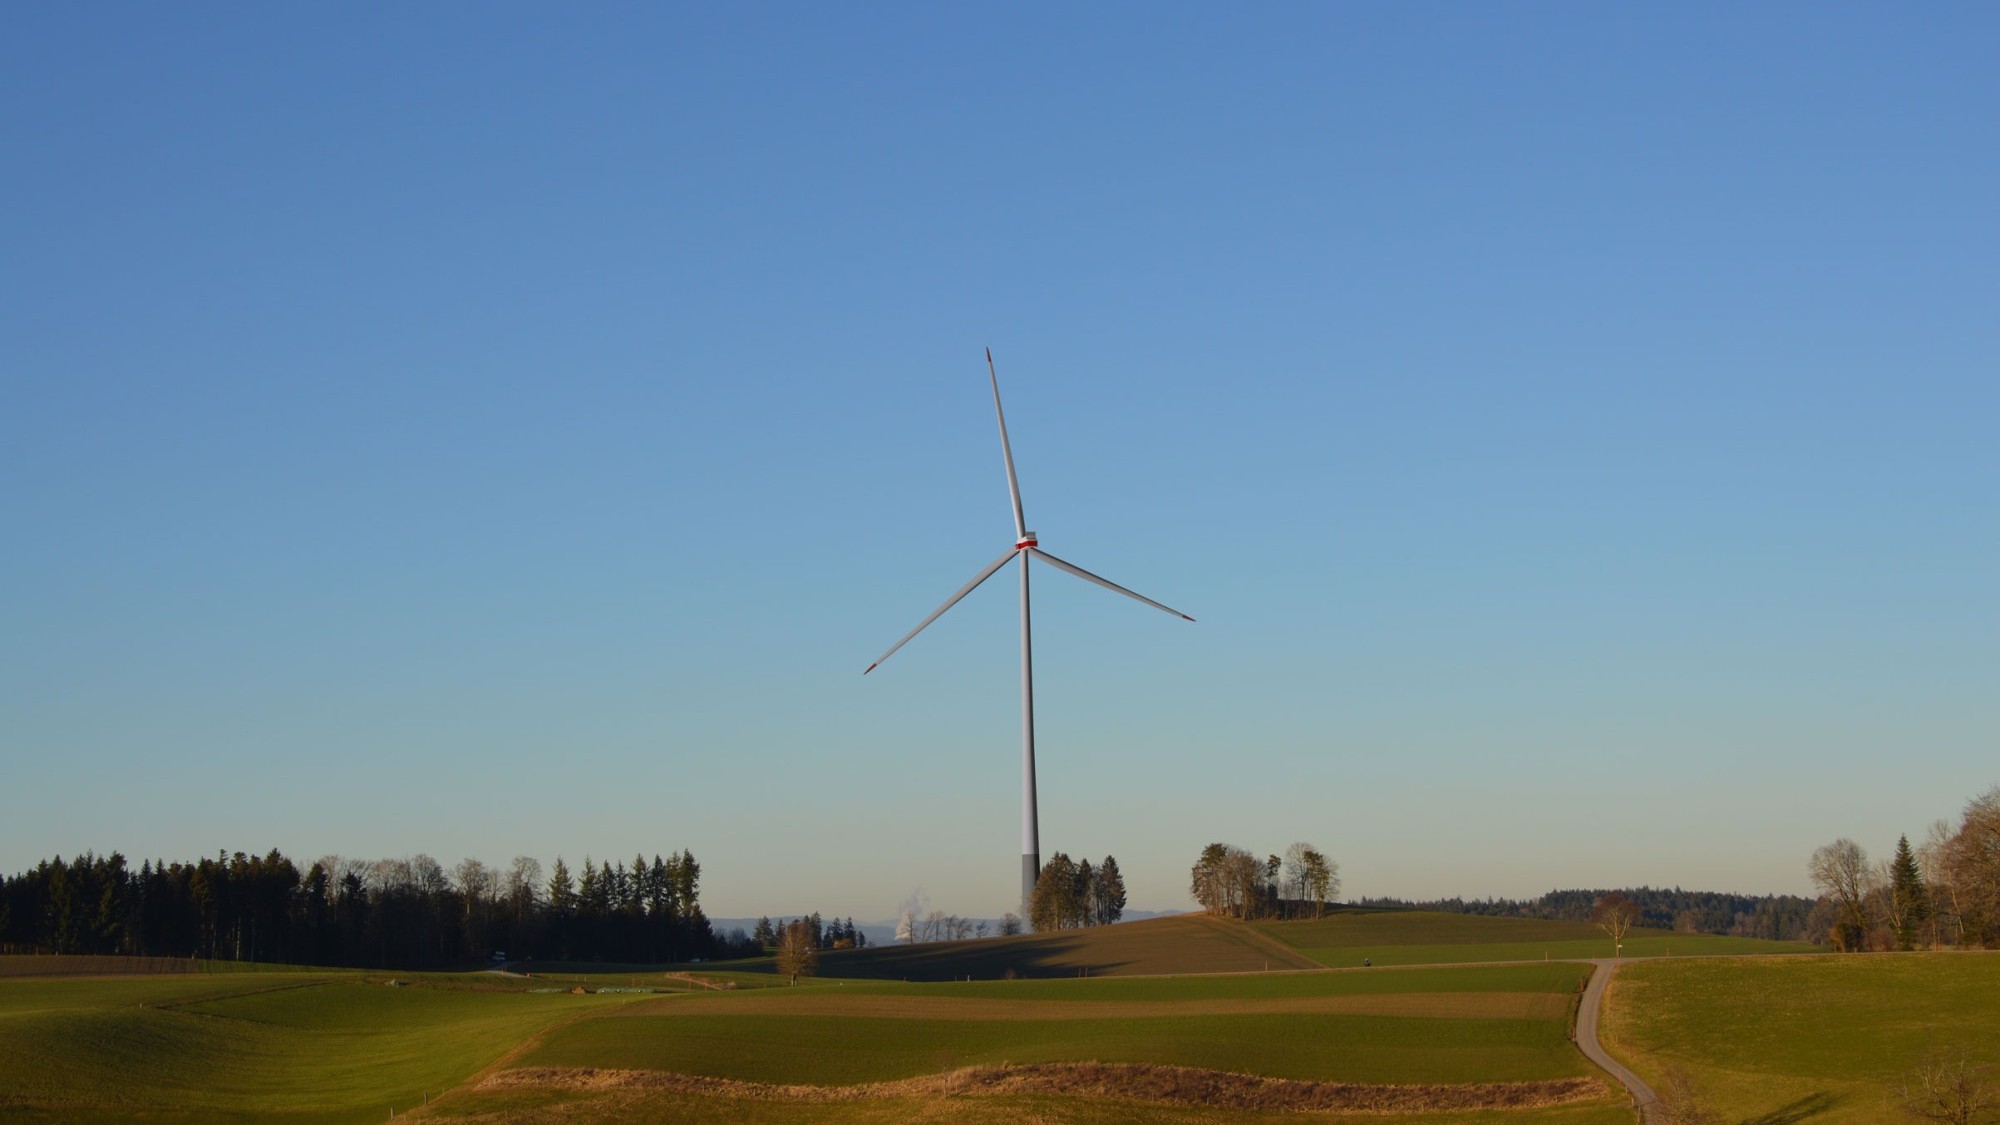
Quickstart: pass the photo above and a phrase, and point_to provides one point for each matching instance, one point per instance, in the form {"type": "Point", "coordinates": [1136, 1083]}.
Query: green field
{"type": "Point", "coordinates": [1174, 1019]}
{"type": "Point", "coordinates": [1417, 937]}
{"type": "Point", "coordinates": [1505, 1025]}
{"type": "Point", "coordinates": [1820, 1039]}
{"type": "Point", "coordinates": [334, 1046]}
{"type": "Point", "coordinates": [253, 1046]}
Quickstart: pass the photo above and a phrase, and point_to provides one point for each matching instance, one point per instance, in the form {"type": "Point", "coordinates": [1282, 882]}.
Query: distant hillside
{"type": "Point", "coordinates": [1770, 917]}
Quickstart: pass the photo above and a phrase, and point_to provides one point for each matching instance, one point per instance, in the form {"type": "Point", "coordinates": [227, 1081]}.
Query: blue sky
{"type": "Point", "coordinates": [490, 430]}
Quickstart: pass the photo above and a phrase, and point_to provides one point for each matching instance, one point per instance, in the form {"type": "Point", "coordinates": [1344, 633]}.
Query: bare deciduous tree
{"type": "Point", "coordinates": [1295, 871]}
{"type": "Point", "coordinates": [1322, 880]}
{"type": "Point", "coordinates": [798, 954]}
{"type": "Point", "coordinates": [1948, 1086]}
{"type": "Point", "coordinates": [1840, 870]}
{"type": "Point", "coordinates": [1615, 915]}
{"type": "Point", "coordinates": [1975, 854]}
{"type": "Point", "coordinates": [1941, 880]}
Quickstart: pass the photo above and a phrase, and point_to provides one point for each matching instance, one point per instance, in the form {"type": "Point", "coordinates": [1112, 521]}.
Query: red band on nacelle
{"type": "Point", "coordinates": [1027, 543]}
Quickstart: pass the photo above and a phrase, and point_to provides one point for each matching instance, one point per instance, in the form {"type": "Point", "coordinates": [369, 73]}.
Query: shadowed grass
{"type": "Point", "coordinates": [1154, 947]}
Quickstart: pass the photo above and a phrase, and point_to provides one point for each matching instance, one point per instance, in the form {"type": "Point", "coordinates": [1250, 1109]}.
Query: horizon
{"type": "Point", "coordinates": [513, 433]}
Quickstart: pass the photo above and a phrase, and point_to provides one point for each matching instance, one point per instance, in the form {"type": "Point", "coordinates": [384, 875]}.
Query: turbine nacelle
{"type": "Point", "coordinates": [1026, 541]}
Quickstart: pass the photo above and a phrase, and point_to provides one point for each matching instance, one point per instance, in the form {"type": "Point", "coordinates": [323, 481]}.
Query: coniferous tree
{"type": "Point", "coordinates": [1108, 897]}
{"type": "Point", "coordinates": [393, 912]}
{"type": "Point", "coordinates": [1912, 904]}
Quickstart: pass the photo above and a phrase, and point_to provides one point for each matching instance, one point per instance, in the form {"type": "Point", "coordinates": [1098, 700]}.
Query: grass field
{"type": "Point", "coordinates": [1808, 1039]}
{"type": "Point", "coordinates": [1417, 937]}
{"type": "Point", "coordinates": [1418, 1026]}
{"type": "Point", "coordinates": [333, 1046]}
{"type": "Point", "coordinates": [253, 1046]}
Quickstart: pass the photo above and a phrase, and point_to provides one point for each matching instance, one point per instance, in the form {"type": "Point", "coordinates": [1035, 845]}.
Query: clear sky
{"type": "Point", "coordinates": [485, 430]}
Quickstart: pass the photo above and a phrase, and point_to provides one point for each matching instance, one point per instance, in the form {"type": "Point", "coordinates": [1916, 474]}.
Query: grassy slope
{"type": "Point", "coordinates": [248, 1046]}
{"type": "Point", "coordinates": [1418, 937]}
{"type": "Point", "coordinates": [1812, 1038]}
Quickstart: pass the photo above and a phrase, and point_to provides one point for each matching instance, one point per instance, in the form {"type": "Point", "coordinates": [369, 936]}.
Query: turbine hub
{"type": "Point", "coordinates": [1027, 540]}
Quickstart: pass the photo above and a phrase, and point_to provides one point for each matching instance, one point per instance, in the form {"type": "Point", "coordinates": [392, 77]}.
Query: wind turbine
{"type": "Point", "coordinates": [1025, 546]}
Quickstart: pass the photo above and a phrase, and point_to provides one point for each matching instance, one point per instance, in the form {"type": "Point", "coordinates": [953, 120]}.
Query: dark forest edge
{"type": "Point", "coordinates": [389, 913]}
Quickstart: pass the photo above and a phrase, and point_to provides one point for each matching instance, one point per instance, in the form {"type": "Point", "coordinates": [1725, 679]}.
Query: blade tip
{"type": "Point", "coordinates": [871, 667]}
{"type": "Point", "coordinates": [1185, 617]}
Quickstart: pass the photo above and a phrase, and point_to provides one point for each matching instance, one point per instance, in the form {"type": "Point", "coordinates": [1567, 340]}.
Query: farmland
{"type": "Point", "coordinates": [1823, 1039]}
{"type": "Point", "coordinates": [1173, 1019]}
{"type": "Point", "coordinates": [310, 1046]}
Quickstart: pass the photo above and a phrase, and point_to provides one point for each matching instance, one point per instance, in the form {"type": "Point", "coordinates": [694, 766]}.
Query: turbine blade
{"type": "Point", "coordinates": [1007, 452]}
{"type": "Point", "coordinates": [1107, 584]}
{"type": "Point", "coordinates": [949, 602]}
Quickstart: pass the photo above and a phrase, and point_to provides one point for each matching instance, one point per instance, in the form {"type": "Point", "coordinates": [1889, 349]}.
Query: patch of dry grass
{"type": "Point", "coordinates": [1168, 1085]}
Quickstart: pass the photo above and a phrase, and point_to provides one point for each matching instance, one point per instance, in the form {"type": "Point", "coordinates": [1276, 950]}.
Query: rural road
{"type": "Point", "coordinates": [1587, 1010]}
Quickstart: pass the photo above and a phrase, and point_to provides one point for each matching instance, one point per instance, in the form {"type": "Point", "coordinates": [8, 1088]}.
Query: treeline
{"type": "Point", "coordinates": [821, 935]}
{"type": "Point", "coordinates": [1229, 881]}
{"type": "Point", "coordinates": [1071, 894]}
{"type": "Point", "coordinates": [1945, 892]}
{"type": "Point", "coordinates": [386, 913]}
{"type": "Point", "coordinates": [1773, 917]}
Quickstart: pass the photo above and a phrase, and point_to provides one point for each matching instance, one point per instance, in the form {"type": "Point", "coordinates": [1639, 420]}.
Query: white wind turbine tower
{"type": "Point", "coordinates": [1024, 546]}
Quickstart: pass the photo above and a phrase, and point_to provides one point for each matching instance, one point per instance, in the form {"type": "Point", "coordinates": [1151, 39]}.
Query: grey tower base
{"type": "Point", "coordinates": [1031, 866]}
